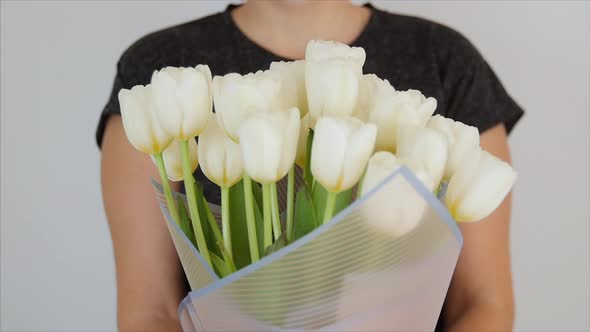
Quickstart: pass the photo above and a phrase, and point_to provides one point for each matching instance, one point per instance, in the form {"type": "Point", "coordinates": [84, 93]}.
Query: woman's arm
{"type": "Point", "coordinates": [149, 274]}
{"type": "Point", "coordinates": [480, 297]}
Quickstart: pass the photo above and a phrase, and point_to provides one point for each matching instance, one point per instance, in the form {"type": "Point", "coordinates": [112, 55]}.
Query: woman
{"type": "Point", "coordinates": [409, 52]}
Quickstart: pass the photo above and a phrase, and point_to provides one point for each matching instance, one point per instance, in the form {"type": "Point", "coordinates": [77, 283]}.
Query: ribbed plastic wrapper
{"type": "Point", "coordinates": [382, 264]}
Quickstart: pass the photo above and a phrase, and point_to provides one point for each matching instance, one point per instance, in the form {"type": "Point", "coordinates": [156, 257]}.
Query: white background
{"type": "Point", "coordinates": [57, 65]}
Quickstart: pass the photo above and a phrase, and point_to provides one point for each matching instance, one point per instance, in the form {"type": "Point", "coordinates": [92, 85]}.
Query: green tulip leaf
{"type": "Point", "coordinates": [277, 245]}
{"type": "Point", "coordinates": [237, 220]}
{"type": "Point", "coordinates": [185, 222]}
{"type": "Point", "coordinates": [257, 193]}
{"type": "Point", "coordinates": [208, 231]}
{"type": "Point", "coordinates": [220, 266]}
{"type": "Point", "coordinates": [305, 219]}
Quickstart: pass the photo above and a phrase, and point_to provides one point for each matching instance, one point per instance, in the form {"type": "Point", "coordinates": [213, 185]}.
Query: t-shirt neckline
{"type": "Point", "coordinates": [247, 42]}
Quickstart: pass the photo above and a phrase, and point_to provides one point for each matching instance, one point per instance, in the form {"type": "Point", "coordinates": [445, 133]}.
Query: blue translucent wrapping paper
{"type": "Point", "coordinates": [358, 272]}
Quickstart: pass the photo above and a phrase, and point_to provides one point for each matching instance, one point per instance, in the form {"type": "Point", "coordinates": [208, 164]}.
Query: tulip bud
{"type": "Point", "coordinates": [236, 97]}
{"type": "Point", "coordinates": [140, 122]}
{"type": "Point", "coordinates": [374, 93]}
{"type": "Point", "coordinates": [268, 141]}
{"type": "Point", "coordinates": [478, 186]}
{"type": "Point", "coordinates": [461, 137]}
{"type": "Point", "coordinates": [221, 158]}
{"type": "Point", "coordinates": [404, 108]}
{"type": "Point", "coordinates": [173, 159]}
{"type": "Point", "coordinates": [425, 147]}
{"type": "Point", "coordinates": [396, 208]}
{"type": "Point", "coordinates": [319, 50]}
{"type": "Point", "coordinates": [293, 92]}
{"type": "Point", "coordinates": [340, 151]}
{"type": "Point", "coordinates": [183, 100]}
{"type": "Point", "coordinates": [332, 73]}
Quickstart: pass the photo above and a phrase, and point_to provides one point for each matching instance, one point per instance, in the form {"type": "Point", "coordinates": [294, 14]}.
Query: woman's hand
{"type": "Point", "coordinates": [480, 297]}
{"type": "Point", "coordinates": [149, 275]}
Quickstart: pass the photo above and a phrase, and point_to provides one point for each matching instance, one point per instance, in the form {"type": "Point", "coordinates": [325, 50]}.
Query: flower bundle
{"type": "Point", "coordinates": [345, 130]}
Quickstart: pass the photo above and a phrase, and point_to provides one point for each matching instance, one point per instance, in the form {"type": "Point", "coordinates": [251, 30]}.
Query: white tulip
{"type": "Point", "coordinates": [173, 159]}
{"type": "Point", "coordinates": [424, 147]}
{"type": "Point", "coordinates": [183, 100]}
{"type": "Point", "coordinates": [396, 207]}
{"type": "Point", "coordinates": [319, 50]}
{"type": "Point", "coordinates": [461, 137]}
{"type": "Point", "coordinates": [236, 97]}
{"type": "Point", "coordinates": [404, 108]}
{"type": "Point", "coordinates": [340, 151]}
{"type": "Point", "coordinates": [221, 158]}
{"type": "Point", "coordinates": [332, 87]}
{"type": "Point", "coordinates": [140, 122]}
{"type": "Point", "coordinates": [375, 95]}
{"type": "Point", "coordinates": [307, 122]}
{"type": "Point", "coordinates": [268, 141]}
{"type": "Point", "coordinates": [381, 165]}
{"type": "Point", "coordinates": [478, 186]}
{"type": "Point", "coordinates": [293, 92]}
{"type": "Point", "coordinates": [384, 163]}
{"type": "Point", "coordinates": [332, 73]}
{"type": "Point", "coordinates": [420, 171]}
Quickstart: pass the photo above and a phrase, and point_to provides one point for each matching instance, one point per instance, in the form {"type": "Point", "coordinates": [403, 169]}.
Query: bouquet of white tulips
{"type": "Point", "coordinates": [290, 148]}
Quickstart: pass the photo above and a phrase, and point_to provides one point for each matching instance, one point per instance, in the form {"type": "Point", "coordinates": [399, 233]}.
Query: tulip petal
{"type": "Point", "coordinates": [139, 123]}
{"type": "Point", "coordinates": [319, 50]}
{"type": "Point", "coordinates": [183, 100]}
{"type": "Point", "coordinates": [328, 151]}
{"type": "Point", "coordinates": [396, 208]}
{"type": "Point", "coordinates": [260, 143]}
{"type": "Point", "coordinates": [360, 148]}
{"type": "Point", "coordinates": [173, 159]}
{"type": "Point", "coordinates": [221, 158]}
{"type": "Point", "coordinates": [293, 93]}
{"type": "Point", "coordinates": [236, 97]}
{"type": "Point", "coordinates": [462, 139]}
{"type": "Point", "coordinates": [486, 190]}
{"type": "Point", "coordinates": [290, 139]}
{"type": "Point", "coordinates": [332, 87]}
{"type": "Point", "coordinates": [380, 166]}
{"type": "Point", "coordinates": [194, 94]}
{"type": "Point", "coordinates": [424, 146]}
{"type": "Point", "coordinates": [167, 109]}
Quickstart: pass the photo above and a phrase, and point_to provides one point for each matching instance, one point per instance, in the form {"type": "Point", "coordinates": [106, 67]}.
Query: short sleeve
{"type": "Point", "coordinates": [111, 107]}
{"type": "Point", "coordinates": [135, 67]}
{"type": "Point", "coordinates": [473, 93]}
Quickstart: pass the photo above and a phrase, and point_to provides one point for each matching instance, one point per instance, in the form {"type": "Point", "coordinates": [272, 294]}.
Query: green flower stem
{"type": "Point", "coordinates": [166, 187]}
{"type": "Point", "coordinates": [276, 217]}
{"type": "Point", "coordinates": [250, 222]}
{"type": "Point", "coordinates": [266, 215]}
{"type": "Point", "coordinates": [189, 185]}
{"type": "Point", "coordinates": [225, 221]}
{"type": "Point", "coordinates": [290, 202]}
{"type": "Point", "coordinates": [330, 203]}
